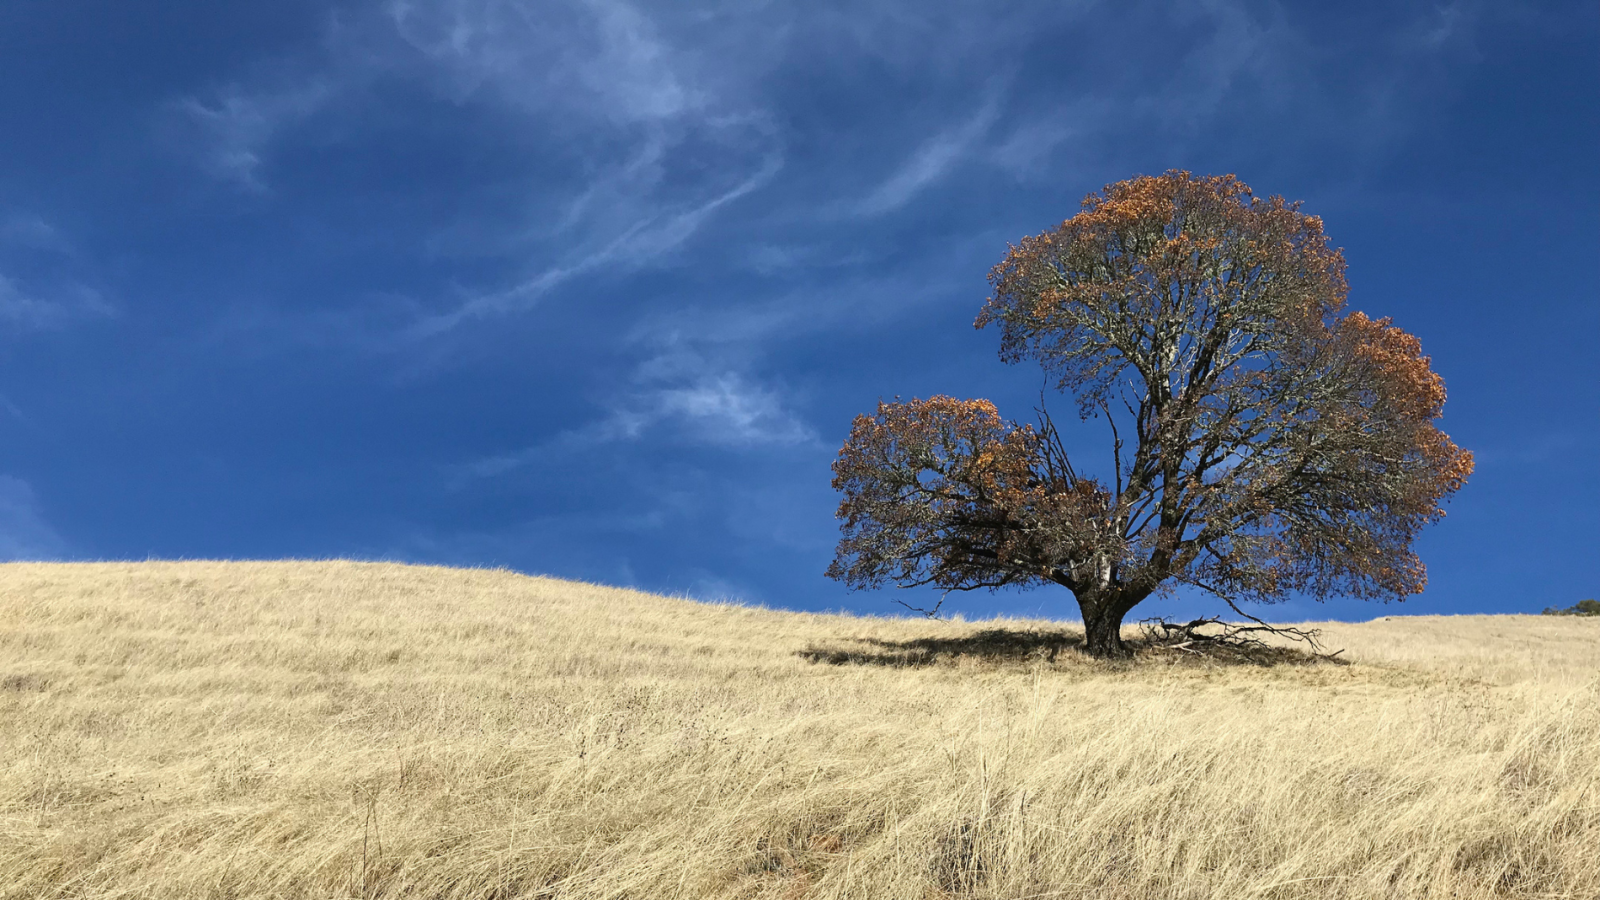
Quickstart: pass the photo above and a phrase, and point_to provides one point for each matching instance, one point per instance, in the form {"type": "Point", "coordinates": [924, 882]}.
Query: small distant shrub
{"type": "Point", "coordinates": [1589, 607]}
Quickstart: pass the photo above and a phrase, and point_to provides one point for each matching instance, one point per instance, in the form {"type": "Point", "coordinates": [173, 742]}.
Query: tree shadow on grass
{"type": "Point", "coordinates": [992, 645]}
{"type": "Point", "coordinates": [1002, 647]}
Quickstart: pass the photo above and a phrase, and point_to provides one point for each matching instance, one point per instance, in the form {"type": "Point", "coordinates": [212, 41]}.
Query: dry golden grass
{"type": "Point", "coordinates": [336, 730]}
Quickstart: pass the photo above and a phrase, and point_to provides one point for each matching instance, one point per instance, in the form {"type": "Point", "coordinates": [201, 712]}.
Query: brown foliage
{"type": "Point", "coordinates": [942, 491]}
{"type": "Point", "coordinates": [1264, 440]}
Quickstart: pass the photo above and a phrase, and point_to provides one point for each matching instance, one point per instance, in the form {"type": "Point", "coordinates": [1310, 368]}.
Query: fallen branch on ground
{"type": "Point", "coordinates": [1230, 638]}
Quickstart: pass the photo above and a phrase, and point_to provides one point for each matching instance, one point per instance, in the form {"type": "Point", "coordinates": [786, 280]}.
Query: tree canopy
{"type": "Point", "coordinates": [1263, 439]}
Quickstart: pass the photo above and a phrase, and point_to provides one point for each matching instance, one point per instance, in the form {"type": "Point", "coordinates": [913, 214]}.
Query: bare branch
{"type": "Point", "coordinates": [1229, 639]}
{"type": "Point", "coordinates": [930, 613]}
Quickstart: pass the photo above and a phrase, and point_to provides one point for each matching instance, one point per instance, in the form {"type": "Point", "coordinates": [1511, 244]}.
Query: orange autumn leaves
{"type": "Point", "coordinates": [960, 495]}
{"type": "Point", "coordinates": [1113, 283]}
{"type": "Point", "coordinates": [1264, 440]}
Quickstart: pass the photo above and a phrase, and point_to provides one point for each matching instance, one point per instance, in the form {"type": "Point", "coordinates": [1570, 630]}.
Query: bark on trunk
{"type": "Point", "coordinates": [1102, 625]}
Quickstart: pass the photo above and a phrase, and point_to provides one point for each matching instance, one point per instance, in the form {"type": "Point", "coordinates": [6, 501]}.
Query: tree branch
{"type": "Point", "coordinates": [930, 613]}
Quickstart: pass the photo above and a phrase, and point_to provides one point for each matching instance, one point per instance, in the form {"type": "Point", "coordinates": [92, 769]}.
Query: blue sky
{"type": "Point", "coordinates": [593, 288]}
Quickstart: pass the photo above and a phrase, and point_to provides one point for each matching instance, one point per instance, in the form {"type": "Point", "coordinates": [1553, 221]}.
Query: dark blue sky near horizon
{"type": "Point", "coordinates": [593, 289]}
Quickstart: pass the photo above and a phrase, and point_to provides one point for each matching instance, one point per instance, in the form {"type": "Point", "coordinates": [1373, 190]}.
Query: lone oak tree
{"type": "Point", "coordinates": [1263, 439]}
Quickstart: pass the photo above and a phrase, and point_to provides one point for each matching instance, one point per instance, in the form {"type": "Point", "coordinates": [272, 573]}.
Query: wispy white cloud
{"type": "Point", "coordinates": [604, 68]}
{"type": "Point", "coordinates": [24, 534]}
{"type": "Point", "coordinates": [696, 383]}
{"type": "Point", "coordinates": [932, 161]}
{"type": "Point", "coordinates": [682, 394]}
{"type": "Point", "coordinates": [52, 293]}
{"type": "Point", "coordinates": [634, 68]}
{"type": "Point", "coordinates": [25, 229]}
{"type": "Point", "coordinates": [1534, 450]}
{"type": "Point", "coordinates": [708, 587]}
{"type": "Point", "coordinates": [1236, 41]}
{"type": "Point", "coordinates": [1032, 148]}
{"type": "Point", "coordinates": [727, 410]}
{"type": "Point", "coordinates": [1446, 25]}
{"type": "Point", "coordinates": [645, 124]}
{"type": "Point", "coordinates": [669, 151]}
{"type": "Point", "coordinates": [637, 246]}
{"type": "Point", "coordinates": [596, 58]}
{"type": "Point", "coordinates": [1240, 51]}
{"type": "Point", "coordinates": [239, 125]}
{"type": "Point", "coordinates": [724, 409]}
{"type": "Point", "coordinates": [14, 410]}
{"type": "Point", "coordinates": [30, 310]}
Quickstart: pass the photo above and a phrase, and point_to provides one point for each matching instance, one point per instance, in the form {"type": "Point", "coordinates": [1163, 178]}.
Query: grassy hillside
{"type": "Point", "coordinates": [331, 730]}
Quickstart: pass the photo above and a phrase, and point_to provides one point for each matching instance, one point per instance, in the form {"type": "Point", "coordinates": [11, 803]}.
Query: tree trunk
{"type": "Point", "coordinates": [1102, 626]}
